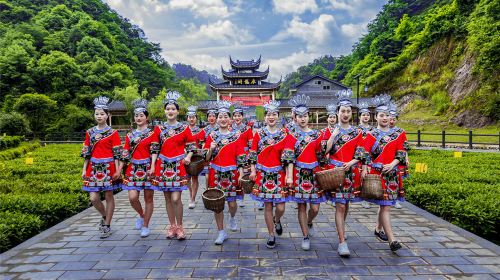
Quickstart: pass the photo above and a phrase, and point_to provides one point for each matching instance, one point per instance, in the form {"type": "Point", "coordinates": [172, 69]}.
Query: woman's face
{"type": "Point", "coordinates": [302, 120]}
{"type": "Point", "coordinates": [238, 118]}
{"type": "Point", "coordinates": [271, 118]}
{"type": "Point", "coordinates": [140, 119]}
{"type": "Point", "coordinates": [100, 116]}
{"type": "Point", "coordinates": [223, 120]}
{"type": "Point", "coordinates": [171, 112]}
{"type": "Point", "coordinates": [392, 121]}
{"type": "Point", "coordinates": [383, 119]}
{"type": "Point", "coordinates": [365, 118]}
{"type": "Point", "coordinates": [345, 114]}
{"type": "Point", "coordinates": [211, 118]}
{"type": "Point", "coordinates": [191, 120]}
{"type": "Point", "coordinates": [332, 119]}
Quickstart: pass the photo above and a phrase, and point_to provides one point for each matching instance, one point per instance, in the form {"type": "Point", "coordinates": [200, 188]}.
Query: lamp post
{"type": "Point", "coordinates": [357, 91]}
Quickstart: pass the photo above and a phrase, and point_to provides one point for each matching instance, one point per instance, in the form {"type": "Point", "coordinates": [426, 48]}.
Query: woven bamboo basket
{"type": "Point", "coordinates": [331, 179]}
{"type": "Point", "coordinates": [372, 187]}
{"type": "Point", "coordinates": [246, 184]}
{"type": "Point", "coordinates": [214, 200]}
{"type": "Point", "coordinates": [196, 165]}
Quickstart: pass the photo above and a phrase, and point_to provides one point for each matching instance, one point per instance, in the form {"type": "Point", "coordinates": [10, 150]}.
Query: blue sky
{"type": "Point", "coordinates": [288, 33]}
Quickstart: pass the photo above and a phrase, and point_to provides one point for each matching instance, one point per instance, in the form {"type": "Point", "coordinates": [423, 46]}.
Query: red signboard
{"type": "Point", "coordinates": [248, 100]}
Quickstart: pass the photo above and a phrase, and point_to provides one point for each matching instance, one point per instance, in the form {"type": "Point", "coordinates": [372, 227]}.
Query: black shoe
{"type": "Point", "coordinates": [278, 227]}
{"type": "Point", "coordinates": [271, 242]}
{"type": "Point", "coordinates": [381, 235]}
{"type": "Point", "coordinates": [101, 223]}
{"type": "Point", "coordinates": [395, 245]}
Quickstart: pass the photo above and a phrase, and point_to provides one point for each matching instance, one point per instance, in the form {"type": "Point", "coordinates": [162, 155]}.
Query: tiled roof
{"type": "Point", "coordinates": [254, 74]}
{"type": "Point", "coordinates": [117, 105]}
{"type": "Point", "coordinates": [320, 77]}
{"type": "Point", "coordinates": [245, 63]}
{"type": "Point", "coordinates": [321, 102]}
{"type": "Point", "coordinates": [263, 85]}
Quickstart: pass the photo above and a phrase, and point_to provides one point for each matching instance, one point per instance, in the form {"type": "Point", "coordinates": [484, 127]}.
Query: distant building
{"type": "Point", "coordinates": [322, 92]}
{"type": "Point", "coordinates": [245, 84]}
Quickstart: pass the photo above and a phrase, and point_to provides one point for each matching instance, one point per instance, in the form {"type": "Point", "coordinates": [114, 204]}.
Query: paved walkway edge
{"type": "Point", "coordinates": [464, 233]}
{"type": "Point", "coordinates": [458, 230]}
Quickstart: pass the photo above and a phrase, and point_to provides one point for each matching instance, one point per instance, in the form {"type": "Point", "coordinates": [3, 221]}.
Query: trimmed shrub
{"type": "Point", "coordinates": [9, 142]}
{"type": "Point", "coordinates": [16, 227]}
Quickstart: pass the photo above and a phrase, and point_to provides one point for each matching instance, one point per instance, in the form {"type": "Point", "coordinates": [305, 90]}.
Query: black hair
{"type": "Point", "coordinates": [145, 112]}
{"type": "Point", "coordinates": [265, 113]}
{"type": "Point", "coordinates": [175, 104]}
{"type": "Point", "coordinates": [338, 107]}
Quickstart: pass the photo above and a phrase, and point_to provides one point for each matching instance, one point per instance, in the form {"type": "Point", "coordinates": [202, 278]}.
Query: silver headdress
{"type": "Point", "coordinates": [299, 104]}
{"type": "Point", "coordinates": [331, 109]}
{"type": "Point", "coordinates": [101, 102]}
{"type": "Point", "coordinates": [393, 110]}
{"type": "Point", "coordinates": [171, 97]}
{"type": "Point", "coordinates": [382, 102]}
{"type": "Point", "coordinates": [212, 108]}
{"type": "Point", "coordinates": [237, 108]}
{"type": "Point", "coordinates": [344, 97]}
{"type": "Point", "coordinates": [272, 106]}
{"type": "Point", "coordinates": [140, 105]}
{"type": "Point", "coordinates": [191, 111]}
{"type": "Point", "coordinates": [363, 107]}
{"type": "Point", "coordinates": [223, 106]}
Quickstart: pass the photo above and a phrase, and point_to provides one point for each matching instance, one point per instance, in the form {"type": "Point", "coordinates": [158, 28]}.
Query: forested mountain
{"type": "Point", "coordinates": [57, 55]}
{"type": "Point", "coordinates": [435, 57]}
{"type": "Point", "coordinates": [184, 71]}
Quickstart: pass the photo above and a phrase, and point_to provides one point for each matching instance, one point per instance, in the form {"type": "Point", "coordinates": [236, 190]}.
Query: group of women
{"type": "Point", "coordinates": [281, 161]}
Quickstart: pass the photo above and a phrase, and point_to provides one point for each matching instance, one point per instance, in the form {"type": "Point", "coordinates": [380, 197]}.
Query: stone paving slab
{"type": "Point", "coordinates": [432, 248]}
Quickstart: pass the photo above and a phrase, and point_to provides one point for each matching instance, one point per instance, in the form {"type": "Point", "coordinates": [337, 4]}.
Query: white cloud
{"type": "Point", "coordinates": [138, 11]}
{"type": "Point", "coordinates": [357, 8]}
{"type": "Point", "coordinates": [217, 34]}
{"type": "Point", "coordinates": [294, 6]}
{"type": "Point", "coordinates": [199, 61]}
{"type": "Point", "coordinates": [317, 35]}
{"type": "Point", "coordinates": [201, 8]}
{"type": "Point", "coordinates": [353, 31]}
{"type": "Point", "coordinates": [282, 66]}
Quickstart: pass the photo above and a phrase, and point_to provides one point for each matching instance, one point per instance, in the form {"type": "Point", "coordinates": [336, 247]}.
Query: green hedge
{"type": "Point", "coordinates": [464, 191]}
{"type": "Point", "coordinates": [9, 142]}
{"type": "Point", "coordinates": [16, 227]}
{"type": "Point", "coordinates": [18, 151]}
{"type": "Point", "coordinates": [50, 207]}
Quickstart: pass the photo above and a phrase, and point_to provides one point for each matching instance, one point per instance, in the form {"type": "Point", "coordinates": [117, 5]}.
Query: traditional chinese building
{"type": "Point", "coordinates": [244, 83]}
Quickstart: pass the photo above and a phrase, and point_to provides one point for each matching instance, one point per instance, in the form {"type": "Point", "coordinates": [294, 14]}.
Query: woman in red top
{"type": "Point", "coordinates": [386, 150]}
{"type": "Point", "coordinates": [225, 152]}
{"type": "Point", "coordinates": [364, 125]}
{"type": "Point", "coordinates": [141, 145]}
{"type": "Point", "coordinates": [344, 146]}
{"type": "Point", "coordinates": [307, 144]}
{"type": "Point", "coordinates": [101, 151]}
{"type": "Point", "coordinates": [170, 174]}
{"type": "Point", "coordinates": [212, 125]}
{"type": "Point", "coordinates": [197, 134]}
{"type": "Point", "coordinates": [331, 110]}
{"type": "Point", "coordinates": [271, 151]}
{"type": "Point", "coordinates": [245, 135]}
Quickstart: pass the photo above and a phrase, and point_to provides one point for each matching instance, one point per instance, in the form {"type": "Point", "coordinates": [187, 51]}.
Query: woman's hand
{"type": "Point", "coordinates": [213, 145]}
{"type": "Point", "coordinates": [347, 166]}
{"type": "Point", "coordinates": [83, 174]}
{"type": "Point", "coordinates": [252, 175]}
{"type": "Point", "coordinates": [289, 181]}
{"type": "Point", "coordinates": [187, 160]}
{"type": "Point", "coordinates": [387, 167]}
{"type": "Point", "coordinates": [364, 172]}
{"type": "Point", "coordinates": [151, 171]}
{"type": "Point", "coordinates": [116, 176]}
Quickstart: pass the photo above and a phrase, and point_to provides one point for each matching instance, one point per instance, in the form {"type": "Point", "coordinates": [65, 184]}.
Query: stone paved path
{"type": "Point", "coordinates": [433, 249]}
